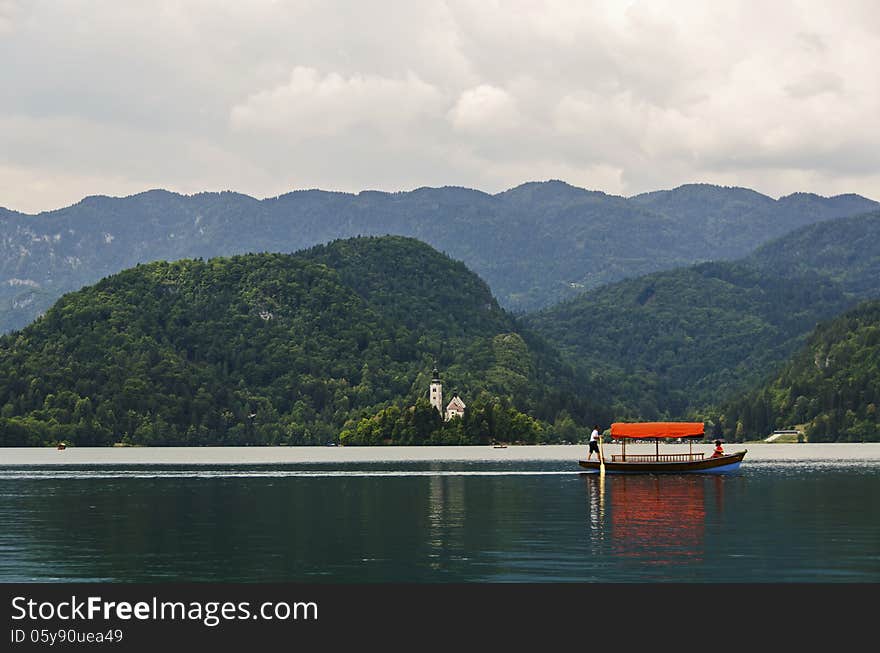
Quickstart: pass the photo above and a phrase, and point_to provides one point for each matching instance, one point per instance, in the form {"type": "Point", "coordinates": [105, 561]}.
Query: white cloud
{"type": "Point", "coordinates": [485, 109]}
{"type": "Point", "coordinates": [267, 96]}
{"type": "Point", "coordinates": [11, 13]}
{"type": "Point", "coordinates": [310, 104]}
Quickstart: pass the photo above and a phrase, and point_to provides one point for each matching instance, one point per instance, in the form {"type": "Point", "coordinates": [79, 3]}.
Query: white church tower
{"type": "Point", "coordinates": [436, 393]}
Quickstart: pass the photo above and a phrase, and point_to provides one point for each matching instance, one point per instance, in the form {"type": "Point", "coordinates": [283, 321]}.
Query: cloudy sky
{"type": "Point", "coordinates": [114, 97]}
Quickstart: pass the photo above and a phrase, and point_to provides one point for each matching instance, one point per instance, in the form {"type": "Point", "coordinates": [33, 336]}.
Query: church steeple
{"type": "Point", "coordinates": [436, 392]}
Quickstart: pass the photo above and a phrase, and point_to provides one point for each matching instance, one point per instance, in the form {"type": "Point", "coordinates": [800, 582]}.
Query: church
{"type": "Point", "coordinates": [454, 409]}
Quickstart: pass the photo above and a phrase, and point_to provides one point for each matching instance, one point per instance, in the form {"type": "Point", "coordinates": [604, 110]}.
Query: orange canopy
{"type": "Point", "coordinates": [657, 430]}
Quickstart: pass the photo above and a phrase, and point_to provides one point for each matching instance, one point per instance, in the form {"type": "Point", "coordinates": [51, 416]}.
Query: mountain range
{"type": "Point", "coordinates": [336, 340]}
{"type": "Point", "coordinates": [535, 245]}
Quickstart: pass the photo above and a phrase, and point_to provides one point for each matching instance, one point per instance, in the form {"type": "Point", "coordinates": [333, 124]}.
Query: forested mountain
{"type": "Point", "coordinates": [733, 221]}
{"type": "Point", "coordinates": [681, 340]}
{"type": "Point", "coordinates": [672, 342]}
{"type": "Point", "coordinates": [534, 244]}
{"type": "Point", "coordinates": [832, 385]}
{"type": "Point", "coordinates": [846, 250]}
{"type": "Point", "coordinates": [273, 348]}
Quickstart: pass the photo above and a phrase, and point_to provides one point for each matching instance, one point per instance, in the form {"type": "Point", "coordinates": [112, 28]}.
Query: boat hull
{"type": "Point", "coordinates": [718, 465]}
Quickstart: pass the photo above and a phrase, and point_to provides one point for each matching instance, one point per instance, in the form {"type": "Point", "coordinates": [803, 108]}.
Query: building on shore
{"type": "Point", "coordinates": [455, 408]}
{"type": "Point", "coordinates": [436, 391]}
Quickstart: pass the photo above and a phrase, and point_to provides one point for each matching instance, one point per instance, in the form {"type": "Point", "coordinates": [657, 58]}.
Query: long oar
{"type": "Point", "coordinates": [601, 458]}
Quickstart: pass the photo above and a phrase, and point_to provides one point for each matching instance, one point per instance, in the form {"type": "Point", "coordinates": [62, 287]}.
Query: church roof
{"type": "Point", "coordinates": [455, 404]}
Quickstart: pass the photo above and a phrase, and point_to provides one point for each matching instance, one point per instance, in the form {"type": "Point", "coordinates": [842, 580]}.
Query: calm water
{"type": "Point", "coordinates": [791, 521]}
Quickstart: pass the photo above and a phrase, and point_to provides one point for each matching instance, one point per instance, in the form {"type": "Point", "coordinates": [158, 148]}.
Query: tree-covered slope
{"type": "Point", "coordinates": [670, 342]}
{"type": "Point", "coordinates": [272, 348]}
{"type": "Point", "coordinates": [677, 341]}
{"type": "Point", "coordinates": [727, 219]}
{"type": "Point", "coordinates": [412, 284]}
{"type": "Point", "coordinates": [535, 244]}
{"type": "Point", "coordinates": [832, 385]}
{"type": "Point", "coordinates": [846, 250]}
{"type": "Point", "coordinates": [730, 222]}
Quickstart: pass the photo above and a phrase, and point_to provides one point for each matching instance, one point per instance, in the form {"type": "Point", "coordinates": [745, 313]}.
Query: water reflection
{"type": "Point", "coordinates": [446, 513]}
{"type": "Point", "coordinates": [443, 523]}
{"type": "Point", "coordinates": [595, 484]}
{"type": "Point", "coordinates": [658, 519]}
{"type": "Point", "coordinates": [654, 520]}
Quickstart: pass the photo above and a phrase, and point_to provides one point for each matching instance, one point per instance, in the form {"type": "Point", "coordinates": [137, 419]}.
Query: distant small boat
{"type": "Point", "coordinates": [61, 446]}
{"type": "Point", "coordinates": [499, 445]}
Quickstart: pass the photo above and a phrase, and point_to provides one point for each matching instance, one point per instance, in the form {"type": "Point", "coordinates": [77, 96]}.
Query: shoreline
{"type": "Point", "coordinates": [269, 455]}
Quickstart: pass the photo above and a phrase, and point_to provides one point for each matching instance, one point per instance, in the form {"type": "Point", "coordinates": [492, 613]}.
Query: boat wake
{"type": "Point", "coordinates": [59, 474]}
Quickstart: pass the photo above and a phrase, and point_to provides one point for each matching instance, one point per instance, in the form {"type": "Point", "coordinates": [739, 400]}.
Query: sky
{"type": "Point", "coordinates": [114, 97]}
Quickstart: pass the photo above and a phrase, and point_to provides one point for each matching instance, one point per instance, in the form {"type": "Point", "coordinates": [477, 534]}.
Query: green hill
{"type": "Point", "coordinates": [832, 385]}
{"type": "Point", "coordinates": [272, 348]}
{"type": "Point", "coordinates": [845, 250]}
{"type": "Point", "coordinates": [678, 342]}
{"type": "Point", "coordinates": [673, 342]}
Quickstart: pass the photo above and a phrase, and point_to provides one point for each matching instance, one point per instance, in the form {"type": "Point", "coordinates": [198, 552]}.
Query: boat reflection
{"type": "Point", "coordinates": [651, 519]}
{"type": "Point", "coordinates": [596, 496]}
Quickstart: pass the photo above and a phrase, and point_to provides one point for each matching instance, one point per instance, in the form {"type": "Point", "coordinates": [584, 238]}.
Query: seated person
{"type": "Point", "coordinates": [719, 450]}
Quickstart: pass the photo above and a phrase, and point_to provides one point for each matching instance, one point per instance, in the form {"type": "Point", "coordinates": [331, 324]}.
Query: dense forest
{"type": "Point", "coordinates": [845, 250]}
{"type": "Point", "coordinates": [535, 244]}
{"type": "Point", "coordinates": [285, 349]}
{"type": "Point", "coordinates": [335, 344]}
{"type": "Point", "coordinates": [672, 344]}
{"type": "Point", "coordinates": [676, 343]}
{"type": "Point", "coordinates": [831, 387]}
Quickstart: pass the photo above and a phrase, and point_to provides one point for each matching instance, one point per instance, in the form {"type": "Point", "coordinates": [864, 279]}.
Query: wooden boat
{"type": "Point", "coordinates": [665, 463]}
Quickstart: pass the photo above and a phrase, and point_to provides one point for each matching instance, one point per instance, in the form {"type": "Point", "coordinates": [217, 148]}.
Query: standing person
{"type": "Point", "coordinates": [594, 442]}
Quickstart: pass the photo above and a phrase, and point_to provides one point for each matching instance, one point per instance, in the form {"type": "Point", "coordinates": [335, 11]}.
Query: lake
{"type": "Point", "coordinates": [793, 513]}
